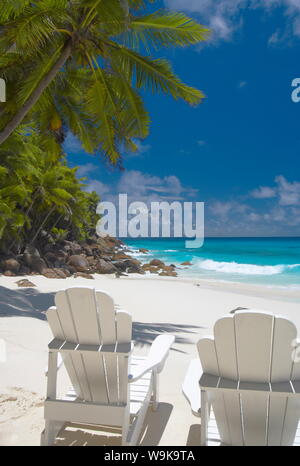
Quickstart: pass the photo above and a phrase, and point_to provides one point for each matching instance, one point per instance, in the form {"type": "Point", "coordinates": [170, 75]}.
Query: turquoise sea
{"type": "Point", "coordinates": [268, 261]}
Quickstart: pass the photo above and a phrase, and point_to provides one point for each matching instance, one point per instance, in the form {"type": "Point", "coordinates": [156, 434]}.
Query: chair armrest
{"type": "Point", "coordinates": [59, 364]}
{"type": "Point", "coordinates": [156, 357]}
{"type": "Point", "coordinates": [191, 388]}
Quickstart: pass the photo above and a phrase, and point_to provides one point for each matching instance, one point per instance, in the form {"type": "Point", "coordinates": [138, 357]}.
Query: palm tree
{"type": "Point", "coordinates": [78, 65]}
{"type": "Point", "coordinates": [38, 191]}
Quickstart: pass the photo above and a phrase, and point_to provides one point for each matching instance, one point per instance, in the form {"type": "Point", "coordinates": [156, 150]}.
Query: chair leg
{"type": "Point", "coordinates": [42, 441]}
{"type": "Point", "coordinates": [49, 435]}
{"type": "Point", "coordinates": [204, 417]}
{"type": "Point", "coordinates": [155, 394]}
{"type": "Point", "coordinates": [125, 428]}
{"type": "Point", "coordinates": [136, 428]}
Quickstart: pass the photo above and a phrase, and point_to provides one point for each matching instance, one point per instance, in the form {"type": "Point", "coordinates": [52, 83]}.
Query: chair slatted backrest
{"type": "Point", "coordinates": [253, 346]}
{"type": "Point", "coordinates": [86, 316]}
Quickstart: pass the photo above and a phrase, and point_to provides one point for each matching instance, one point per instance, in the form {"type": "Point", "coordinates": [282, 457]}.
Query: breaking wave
{"type": "Point", "coordinates": [244, 269]}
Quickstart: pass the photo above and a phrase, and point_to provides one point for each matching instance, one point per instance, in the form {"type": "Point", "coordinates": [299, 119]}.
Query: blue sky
{"type": "Point", "coordinates": [239, 150]}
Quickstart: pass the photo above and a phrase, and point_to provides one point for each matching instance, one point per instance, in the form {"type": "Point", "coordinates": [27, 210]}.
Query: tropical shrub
{"type": "Point", "coordinates": [40, 196]}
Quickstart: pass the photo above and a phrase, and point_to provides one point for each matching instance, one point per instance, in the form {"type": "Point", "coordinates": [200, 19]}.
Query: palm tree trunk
{"type": "Point", "coordinates": [42, 224]}
{"type": "Point", "coordinates": [58, 220]}
{"type": "Point", "coordinates": [17, 119]}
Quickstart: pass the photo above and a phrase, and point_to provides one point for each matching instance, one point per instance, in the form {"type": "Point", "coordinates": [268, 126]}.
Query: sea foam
{"type": "Point", "coordinates": [245, 269]}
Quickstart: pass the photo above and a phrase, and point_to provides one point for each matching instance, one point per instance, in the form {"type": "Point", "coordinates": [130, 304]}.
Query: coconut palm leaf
{"type": "Point", "coordinates": [165, 28]}
{"type": "Point", "coordinates": [155, 75]}
{"type": "Point", "coordinates": [77, 66]}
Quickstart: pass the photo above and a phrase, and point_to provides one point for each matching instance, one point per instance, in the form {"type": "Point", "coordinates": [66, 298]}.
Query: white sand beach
{"type": "Point", "coordinates": [185, 308]}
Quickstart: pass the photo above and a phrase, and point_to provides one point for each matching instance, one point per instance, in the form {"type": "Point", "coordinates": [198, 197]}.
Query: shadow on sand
{"type": "Point", "coordinates": [194, 435]}
{"type": "Point", "coordinates": [154, 427]}
{"type": "Point", "coordinates": [27, 302]}
{"type": "Point", "coordinates": [145, 333]}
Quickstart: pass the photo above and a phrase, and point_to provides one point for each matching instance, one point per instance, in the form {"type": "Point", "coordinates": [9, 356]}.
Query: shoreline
{"type": "Point", "coordinates": [250, 289]}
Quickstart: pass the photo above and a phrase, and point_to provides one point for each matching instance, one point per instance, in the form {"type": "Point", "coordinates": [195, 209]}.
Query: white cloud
{"type": "Point", "coordinates": [141, 149]}
{"type": "Point", "coordinates": [224, 17]}
{"type": "Point", "coordinates": [285, 217]}
{"type": "Point", "coordinates": [84, 170]}
{"type": "Point", "coordinates": [221, 27]}
{"type": "Point", "coordinates": [280, 215]}
{"type": "Point", "coordinates": [242, 84]}
{"type": "Point", "coordinates": [296, 26]}
{"type": "Point", "coordinates": [221, 209]}
{"type": "Point", "coordinates": [221, 16]}
{"type": "Point", "coordinates": [277, 213]}
{"type": "Point", "coordinates": [72, 144]}
{"type": "Point", "coordinates": [143, 186]}
{"type": "Point", "coordinates": [225, 209]}
{"type": "Point", "coordinates": [254, 217]}
{"type": "Point", "coordinates": [289, 193]}
{"type": "Point", "coordinates": [275, 38]}
{"type": "Point", "coordinates": [263, 192]}
{"type": "Point", "coordinates": [286, 192]}
{"type": "Point", "coordinates": [98, 186]}
{"type": "Point", "coordinates": [201, 142]}
{"type": "Point", "coordinates": [184, 152]}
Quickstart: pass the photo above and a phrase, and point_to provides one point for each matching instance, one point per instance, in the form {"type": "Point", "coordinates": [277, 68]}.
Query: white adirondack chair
{"type": "Point", "coordinates": [248, 389]}
{"type": "Point", "coordinates": [109, 386]}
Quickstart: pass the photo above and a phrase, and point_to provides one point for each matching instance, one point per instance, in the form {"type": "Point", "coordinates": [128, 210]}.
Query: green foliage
{"type": "Point", "coordinates": [95, 94]}
{"type": "Point", "coordinates": [40, 193]}
{"type": "Point", "coordinates": [59, 234]}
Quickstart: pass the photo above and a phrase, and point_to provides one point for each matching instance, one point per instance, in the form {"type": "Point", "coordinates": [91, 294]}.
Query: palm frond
{"type": "Point", "coordinates": [40, 70]}
{"type": "Point", "coordinates": [156, 75]}
{"type": "Point", "coordinates": [165, 28]}
{"type": "Point", "coordinates": [131, 103]}
{"type": "Point", "coordinates": [82, 125]}
{"type": "Point", "coordinates": [107, 14]}
{"type": "Point", "coordinates": [70, 56]}
{"type": "Point", "coordinates": [96, 104]}
{"type": "Point", "coordinates": [12, 9]}
{"type": "Point", "coordinates": [36, 26]}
